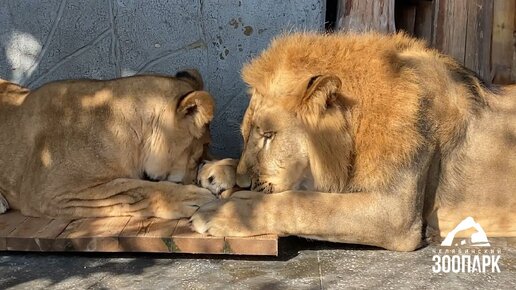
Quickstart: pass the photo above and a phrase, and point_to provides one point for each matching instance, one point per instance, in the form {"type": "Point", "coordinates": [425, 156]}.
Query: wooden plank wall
{"type": "Point", "coordinates": [504, 42]}
{"type": "Point", "coordinates": [364, 15]}
{"type": "Point", "coordinates": [463, 29]}
{"type": "Point", "coordinates": [478, 33]}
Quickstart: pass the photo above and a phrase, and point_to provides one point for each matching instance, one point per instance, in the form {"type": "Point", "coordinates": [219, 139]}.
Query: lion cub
{"type": "Point", "coordinates": [88, 148]}
{"type": "Point", "coordinates": [219, 176]}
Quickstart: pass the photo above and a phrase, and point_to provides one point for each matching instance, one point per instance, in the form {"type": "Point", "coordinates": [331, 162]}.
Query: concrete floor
{"type": "Point", "coordinates": [302, 264]}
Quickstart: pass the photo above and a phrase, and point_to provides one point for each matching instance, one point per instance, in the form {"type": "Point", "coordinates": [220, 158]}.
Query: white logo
{"type": "Point", "coordinates": [479, 238]}
{"type": "Point", "coordinates": [469, 255]}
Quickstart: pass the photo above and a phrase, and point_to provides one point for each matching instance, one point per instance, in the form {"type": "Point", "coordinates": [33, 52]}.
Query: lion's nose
{"type": "Point", "coordinates": [243, 180]}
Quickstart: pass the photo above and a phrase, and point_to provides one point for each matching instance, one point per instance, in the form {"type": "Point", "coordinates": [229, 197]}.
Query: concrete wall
{"type": "Point", "coordinates": [47, 40]}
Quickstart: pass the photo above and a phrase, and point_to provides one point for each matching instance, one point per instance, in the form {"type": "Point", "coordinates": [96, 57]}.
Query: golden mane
{"type": "Point", "coordinates": [383, 78]}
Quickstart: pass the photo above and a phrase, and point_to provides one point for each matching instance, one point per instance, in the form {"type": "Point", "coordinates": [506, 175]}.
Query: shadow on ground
{"type": "Point", "coordinates": [302, 264]}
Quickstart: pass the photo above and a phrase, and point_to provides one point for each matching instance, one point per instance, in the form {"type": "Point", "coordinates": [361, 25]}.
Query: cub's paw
{"type": "Point", "coordinates": [4, 205]}
{"type": "Point", "coordinates": [218, 176]}
{"type": "Point", "coordinates": [239, 215]}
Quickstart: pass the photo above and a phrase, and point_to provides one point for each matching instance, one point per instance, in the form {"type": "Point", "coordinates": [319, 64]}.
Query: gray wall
{"type": "Point", "coordinates": [47, 40]}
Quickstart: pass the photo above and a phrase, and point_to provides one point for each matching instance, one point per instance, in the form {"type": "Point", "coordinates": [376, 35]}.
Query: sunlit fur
{"type": "Point", "coordinates": [105, 148]}
{"type": "Point", "coordinates": [370, 89]}
{"type": "Point", "coordinates": [218, 176]}
{"type": "Point", "coordinates": [409, 136]}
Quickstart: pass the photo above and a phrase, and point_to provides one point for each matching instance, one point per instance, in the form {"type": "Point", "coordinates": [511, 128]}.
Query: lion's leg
{"type": "Point", "coordinates": [129, 197]}
{"type": "Point", "coordinates": [385, 220]}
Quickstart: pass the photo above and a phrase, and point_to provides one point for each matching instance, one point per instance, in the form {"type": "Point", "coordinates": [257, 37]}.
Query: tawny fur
{"type": "Point", "coordinates": [218, 176]}
{"type": "Point", "coordinates": [81, 148]}
{"type": "Point", "coordinates": [369, 138]}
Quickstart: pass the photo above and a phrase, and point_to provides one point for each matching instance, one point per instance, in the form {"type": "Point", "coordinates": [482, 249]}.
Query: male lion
{"type": "Point", "coordinates": [86, 148]}
{"type": "Point", "coordinates": [369, 139]}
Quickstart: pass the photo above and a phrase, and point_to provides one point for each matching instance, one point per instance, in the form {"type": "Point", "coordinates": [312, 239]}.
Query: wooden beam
{"type": "Point", "coordinates": [423, 21]}
{"type": "Point", "coordinates": [187, 241]}
{"type": "Point", "coordinates": [36, 234]}
{"type": "Point", "coordinates": [366, 15]}
{"type": "Point", "coordinates": [147, 235]}
{"type": "Point", "coordinates": [463, 29]}
{"type": "Point", "coordinates": [503, 49]}
{"type": "Point", "coordinates": [122, 234]}
{"type": "Point", "coordinates": [8, 223]}
{"type": "Point", "coordinates": [478, 37]}
{"type": "Point", "coordinates": [450, 28]}
{"type": "Point", "coordinates": [406, 19]}
{"type": "Point", "coordinates": [91, 235]}
{"type": "Point", "coordinates": [514, 53]}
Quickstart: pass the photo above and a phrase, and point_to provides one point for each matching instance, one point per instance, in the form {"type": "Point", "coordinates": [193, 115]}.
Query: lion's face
{"type": "Point", "coordinates": [275, 154]}
{"type": "Point", "coordinates": [296, 137]}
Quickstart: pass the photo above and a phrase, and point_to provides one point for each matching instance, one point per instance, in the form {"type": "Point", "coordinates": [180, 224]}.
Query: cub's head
{"type": "Point", "coordinates": [180, 129]}
{"type": "Point", "coordinates": [295, 129]}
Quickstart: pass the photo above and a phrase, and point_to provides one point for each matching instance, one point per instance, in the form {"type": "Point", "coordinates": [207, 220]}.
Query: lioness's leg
{"type": "Point", "coordinates": [128, 197]}
{"type": "Point", "coordinates": [362, 218]}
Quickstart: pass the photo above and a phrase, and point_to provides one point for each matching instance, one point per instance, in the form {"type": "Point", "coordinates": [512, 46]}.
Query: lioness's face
{"type": "Point", "coordinates": [189, 135]}
{"type": "Point", "coordinates": [275, 153]}
{"type": "Point", "coordinates": [180, 132]}
{"type": "Point", "coordinates": [183, 168]}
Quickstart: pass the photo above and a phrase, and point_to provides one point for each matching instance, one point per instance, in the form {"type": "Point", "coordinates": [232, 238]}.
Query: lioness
{"type": "Point", "coordinates": [85, 148]}
{"type": "Point", "coordinates": [369, 139]}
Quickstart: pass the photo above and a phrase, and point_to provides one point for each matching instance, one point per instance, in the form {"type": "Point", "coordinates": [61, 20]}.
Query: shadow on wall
{"type": "Point", "coordinates": [67, 39]}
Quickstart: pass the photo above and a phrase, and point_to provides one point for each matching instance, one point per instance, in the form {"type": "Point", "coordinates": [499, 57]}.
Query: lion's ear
{"type": "Point", "coordinates": [196, 107]}
{"type": "Point", "coordinates": [191, 76]}
{"type": "Point", "coordinates": [321, 93]}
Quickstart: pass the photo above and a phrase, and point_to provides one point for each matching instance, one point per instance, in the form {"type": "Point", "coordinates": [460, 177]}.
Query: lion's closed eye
{"type": "Point", "coordinates": [268, 135]}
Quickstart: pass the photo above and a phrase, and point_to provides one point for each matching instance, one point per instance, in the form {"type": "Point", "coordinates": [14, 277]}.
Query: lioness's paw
{"type": "Point", "coordinates": [193, 198]}
{"type": "Point", "coordinates": [236, 216]}
{"type": "Point", "coordinates": [4, 205]}
{"type": "Point", "coordinates": [218, 176]}
{"type": "Point", "coordinates": [198, 196]}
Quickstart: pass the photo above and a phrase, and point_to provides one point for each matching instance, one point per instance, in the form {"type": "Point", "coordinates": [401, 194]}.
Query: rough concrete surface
{"type": "Point", "coordinates": [42, 41]}
{"type": "Point", "coordinates": [302, 264]}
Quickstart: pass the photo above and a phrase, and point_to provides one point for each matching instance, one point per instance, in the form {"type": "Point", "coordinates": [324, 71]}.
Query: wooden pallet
{"type": "Point", "coordinates": [121, 234]}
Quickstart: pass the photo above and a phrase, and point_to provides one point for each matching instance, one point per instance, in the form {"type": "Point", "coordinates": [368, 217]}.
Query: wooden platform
{"type": "Point", "coordinates": [121, 234]}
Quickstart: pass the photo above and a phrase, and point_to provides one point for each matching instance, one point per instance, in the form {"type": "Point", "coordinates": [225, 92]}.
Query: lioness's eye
{"type": "Point", "coordinates": [268, 135]}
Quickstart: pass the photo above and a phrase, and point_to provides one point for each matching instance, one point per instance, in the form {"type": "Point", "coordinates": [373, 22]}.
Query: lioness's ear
{"type": "Point", "coordinates": [191, 76]}
{"type": "Point", "coordinates": [321, 92]}
{"type": "Point", "coordinates": [196, 106]}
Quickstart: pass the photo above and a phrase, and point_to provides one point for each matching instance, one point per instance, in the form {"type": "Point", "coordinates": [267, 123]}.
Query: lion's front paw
{"type": "Point", "coordinates": [218, 176]}
{"type": "Point", "coordinates": [237, 216]}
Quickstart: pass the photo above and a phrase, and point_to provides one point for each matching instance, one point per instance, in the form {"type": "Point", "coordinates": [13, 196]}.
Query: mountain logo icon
{"type": "Point", "coordinates": [478, 239]}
